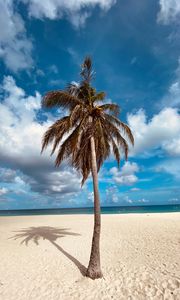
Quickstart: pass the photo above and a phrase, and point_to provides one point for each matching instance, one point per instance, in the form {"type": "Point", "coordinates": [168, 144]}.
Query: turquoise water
{"type": "Point", "coordinates": [89, 210]}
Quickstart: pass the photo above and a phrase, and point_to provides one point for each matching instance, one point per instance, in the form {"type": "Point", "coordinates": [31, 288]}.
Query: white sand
{"type": "Point", "coordinates": [140, 257]}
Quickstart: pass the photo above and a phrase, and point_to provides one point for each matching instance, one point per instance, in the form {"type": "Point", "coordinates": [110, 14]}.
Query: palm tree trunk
{"type": "Point", "coordinates": [94, 268]}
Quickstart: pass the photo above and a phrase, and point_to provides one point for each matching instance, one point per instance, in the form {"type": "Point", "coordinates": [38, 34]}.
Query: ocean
{"type": "Point", "coordinates": [89, 210]}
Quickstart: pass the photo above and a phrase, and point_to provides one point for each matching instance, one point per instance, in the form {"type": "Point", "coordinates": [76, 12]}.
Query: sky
{"type": "Point", "coordinates": [135, 47]}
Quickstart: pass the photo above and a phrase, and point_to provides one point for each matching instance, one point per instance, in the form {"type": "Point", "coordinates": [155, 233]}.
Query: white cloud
{"type": "Point", "coordinates": [112, 195]}
{"type": "Point", "coordinates": [169, 11]}
{"type": "Point", "coordinates": [115, 198]}
{"type": "Point", "coordinates": [169, 141]}
{"type": "Point", "coordinates": [20, 145]}
{"type": "Point", "coordinates": [7, 175]}
{"type": "Point", "coordinates": [61, 182]}
{"type": "Point", "coordinates": [90, 197]}
{"type": "Point", "coordinates": [142, 200]}
{"type": "Point", "coordinates": [3, 191]}
{"type": "Point", "coordinates": [15, 48]}
{"type": "Point", "coordinates": [128, 200]}
{"type": "Point", "coordinates": [173, 147]}
{"type": "Point", "coordinates": [76, 58]}
{"type": "Point", "coordinates": [17, 108]}
{"type": "Point", "coordinates": [57, 82]}
{"type": "Point", "coordinates": [161, 132]}
{"type": "Point", "coordinates": [40, 73]}
{"type": "Point", "coordinates": [135, 189]}
{"type": "Point", "coordinates": [53, 69]}
{"type": "Point", "coordinates": [126, 176]}
{"type": "Point", "coordinates": [77, 11]}
{"type": "Point", "coordinates": [174, 200]}
{"type": "Point", "coordinates": [19, 180]}
{"type": "Point", "coordinates": [172, 98]}
{"type": "Point", "coordinates": [171, 166]}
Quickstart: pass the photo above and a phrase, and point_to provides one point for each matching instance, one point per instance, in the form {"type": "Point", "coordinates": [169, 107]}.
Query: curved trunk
{"type": "Point", "coordinates": [94, 268]}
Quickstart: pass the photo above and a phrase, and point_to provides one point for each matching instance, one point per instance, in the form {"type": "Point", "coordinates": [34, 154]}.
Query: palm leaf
{"type": "Point", "coordinates": [113, 108]}
{"type": "Point", "coordinates": [61, 99]}
{"type": "Point", "coordinates": [75, 115]}
{"type": "Point", "coordinates": [69, 146]}
{"type": "Point", "coordinates": [86, 71]}
{"type": "Point", "coordinates": [113, 131]}
{"type": "Point", "coordinates": [57, 130]}
{"type": "Point", "coordinates": [123, 126]}
{"type": "Point", "coordinates": [116, 151]}
{"type": "Point", "coordinates": [98, 97]}
{"type": "Point", "coordinates": [73, 89]}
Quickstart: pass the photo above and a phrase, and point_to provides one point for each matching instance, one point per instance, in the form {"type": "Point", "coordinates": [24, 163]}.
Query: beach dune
{"type": "Point", "coordinates": [45, 257]}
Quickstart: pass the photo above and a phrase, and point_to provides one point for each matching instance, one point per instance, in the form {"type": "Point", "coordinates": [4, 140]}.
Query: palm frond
{"type": "Point", "coordinates": [99, 97]}
{"type": "Point", "coordinates": [116, 151]}
{"type": "Point", "coordinates": [86, 70]}
{"type": "Point", "coordinates": [73, 89]}
{"type": "Point", "coordinates": [69, 146]}
{"type": "Point", "coordinates": [61, 99]}
{"type": "Point", "coordinates": [102, 145]}
{"type": "Point", "coordinates": [56, 131]}
{"type": "Point", "coordinates": [75, 115]}
{"type": "Point", "coordinates": [113, 131]}
{"type": "Point", "coordinates": [123, 126]}
{"type": "Point", "coordinates": [113, 108]}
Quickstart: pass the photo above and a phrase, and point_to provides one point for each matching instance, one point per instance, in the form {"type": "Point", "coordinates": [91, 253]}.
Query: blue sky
{"type": "Point", "coordinates": [136, 53]}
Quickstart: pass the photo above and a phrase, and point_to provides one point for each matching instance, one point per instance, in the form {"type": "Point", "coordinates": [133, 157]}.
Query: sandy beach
{"type": "Point", "coordinates": [45, 257]}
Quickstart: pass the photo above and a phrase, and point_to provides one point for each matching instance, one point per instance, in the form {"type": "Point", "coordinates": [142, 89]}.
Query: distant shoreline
{"type": "Point", "coordinates": [89, 210]}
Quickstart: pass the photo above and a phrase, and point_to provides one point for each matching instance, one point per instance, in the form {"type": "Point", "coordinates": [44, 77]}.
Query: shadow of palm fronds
{"type": "Point", "coordinates": [35, 234]}
{"type": "Point", "coordinates": [44, 232]}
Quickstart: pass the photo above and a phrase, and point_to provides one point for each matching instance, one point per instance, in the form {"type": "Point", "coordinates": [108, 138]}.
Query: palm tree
{"type": "Point", "coordinates": [85, 137]}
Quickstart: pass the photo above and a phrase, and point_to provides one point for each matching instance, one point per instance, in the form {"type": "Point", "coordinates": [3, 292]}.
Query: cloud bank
{"type": "Point", "coordinates": [159, 135]}
{"type": "Point", "coordinates": [21, 131]}
{"type": "Point", "coordinates": [126, 176]}
{"type": "Point", "coordinates": [20, 145]}
{"type": "Point", "coordinates": [169, 11]}
{"type": "Point", "coordinates": [15, 46]}
{"type": "Point", "coordinates": [76, 11]}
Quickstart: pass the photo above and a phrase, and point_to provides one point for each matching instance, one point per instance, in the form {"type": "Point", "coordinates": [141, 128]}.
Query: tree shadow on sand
{"type": "Point", "coordinates": [51, 234]}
